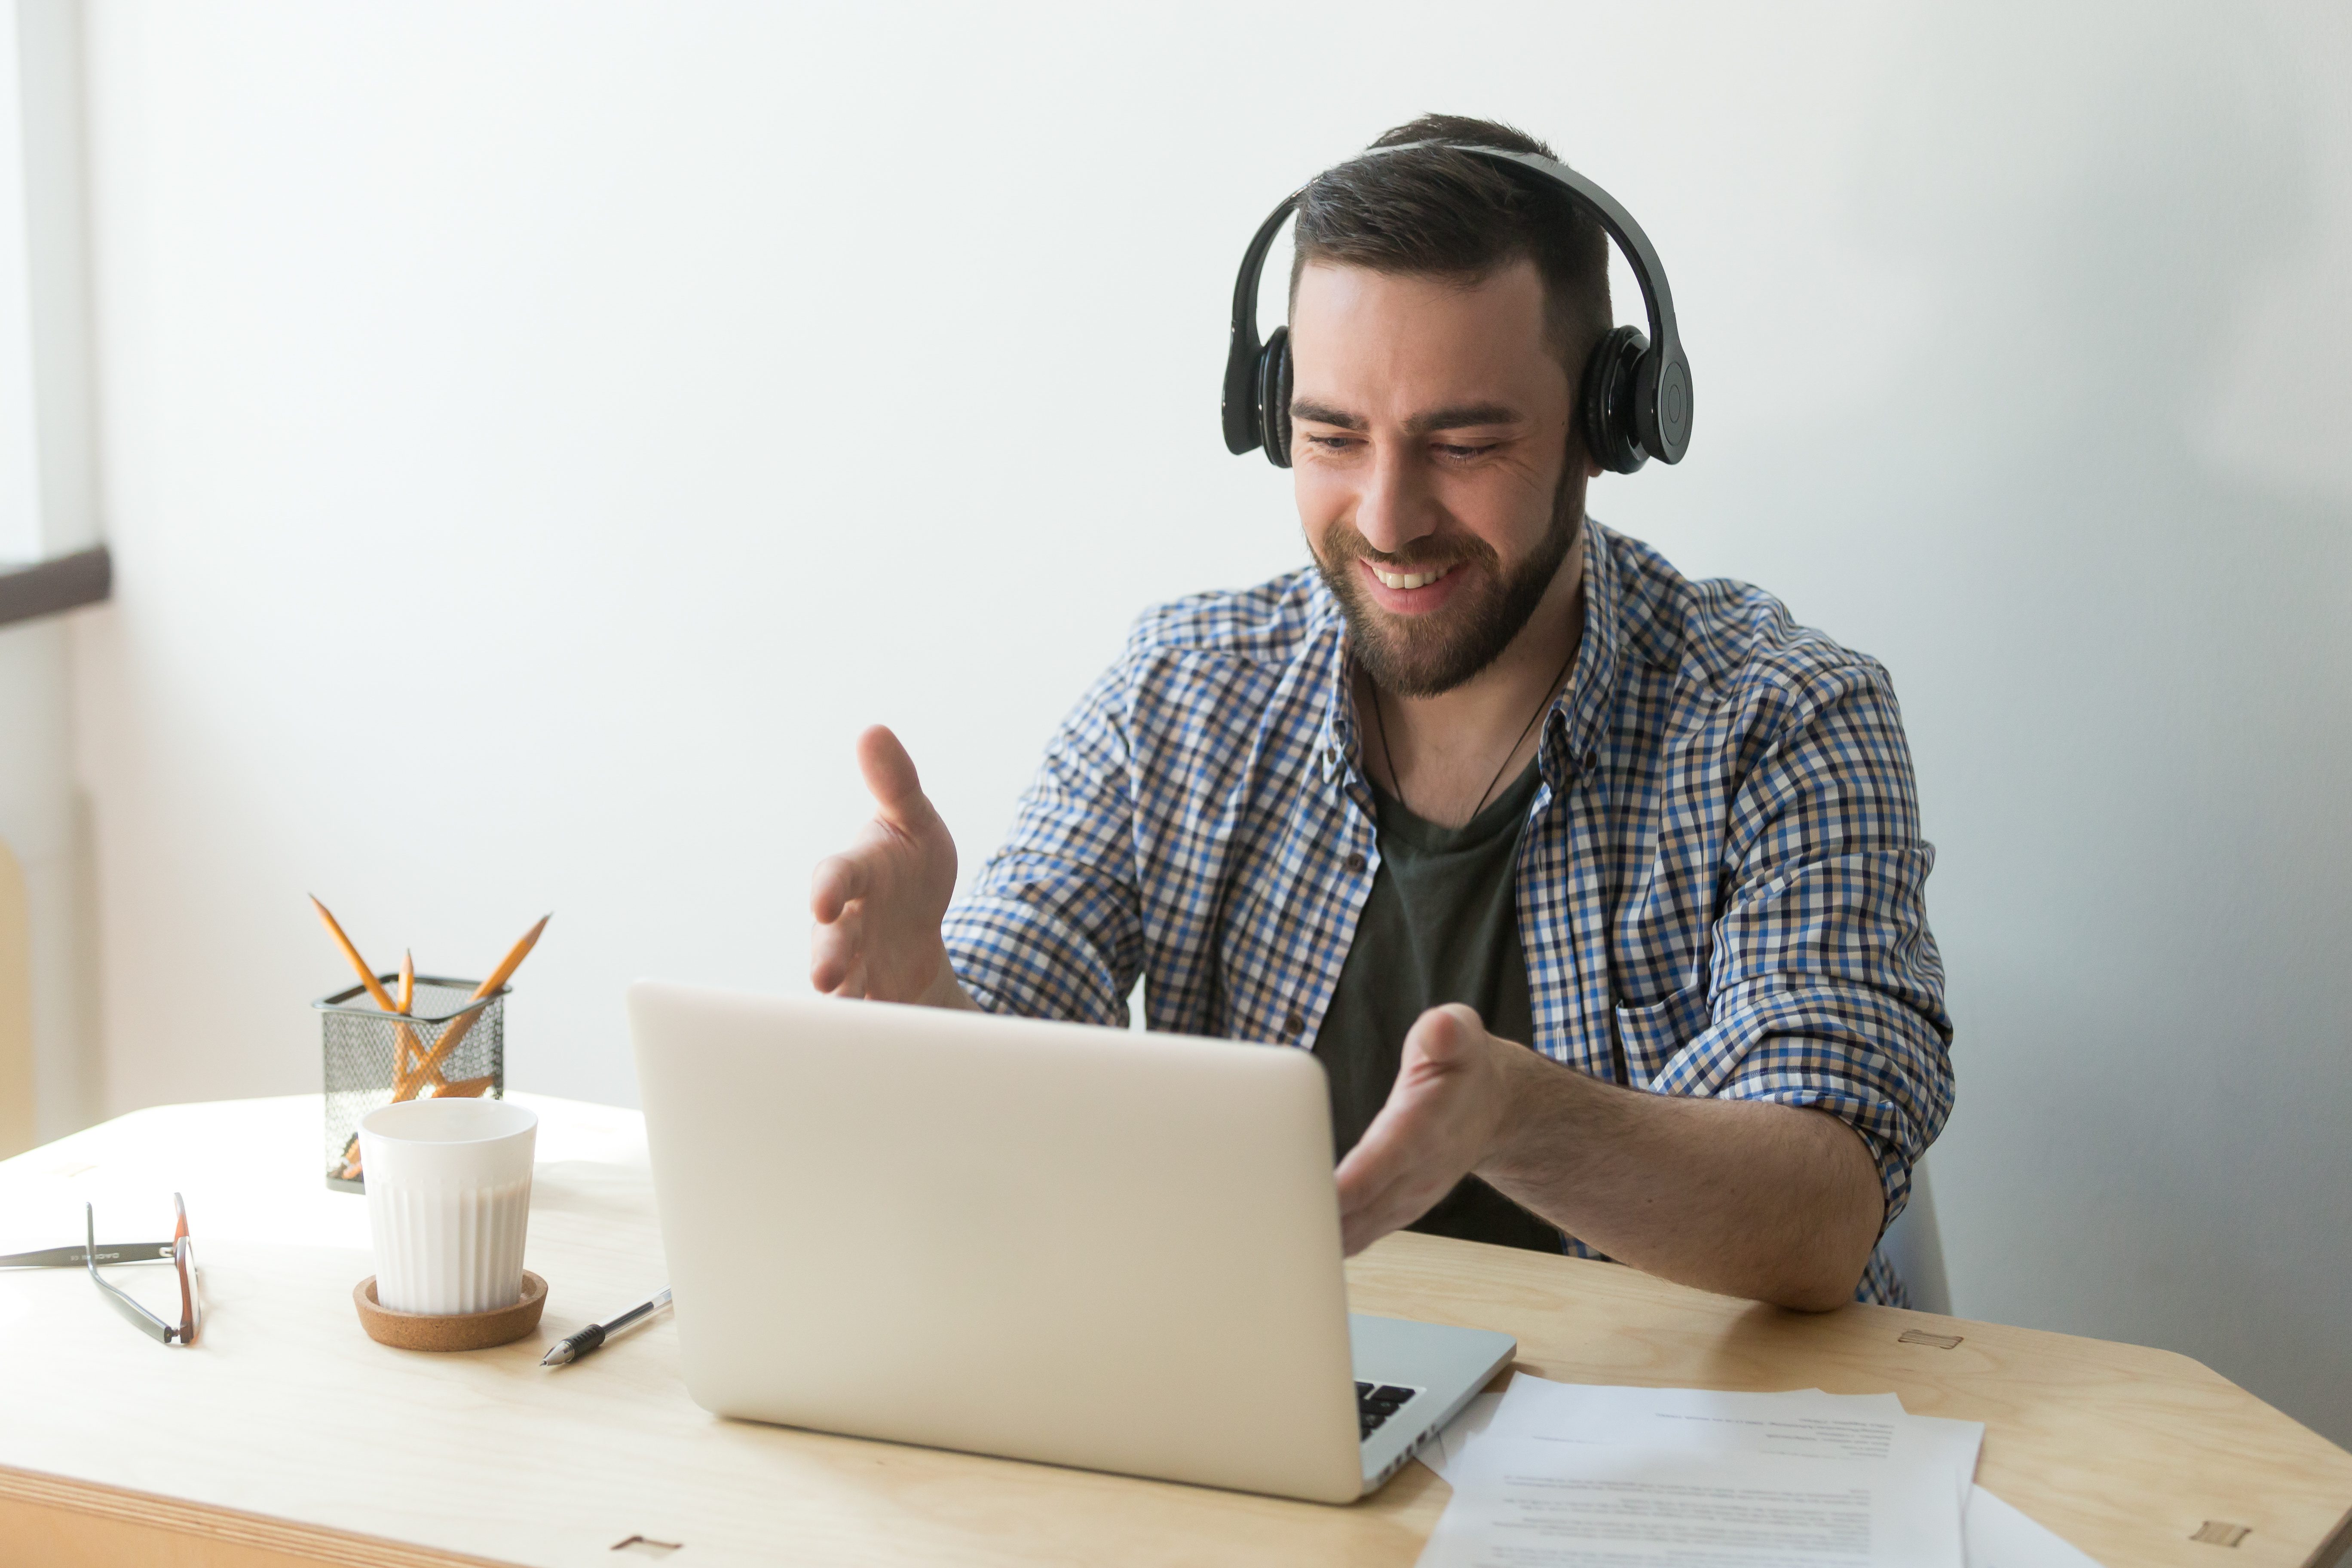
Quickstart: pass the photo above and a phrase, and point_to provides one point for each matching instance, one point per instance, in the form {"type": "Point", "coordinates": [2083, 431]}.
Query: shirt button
{"type": "Point", "coordinates": [1355, 864]}
{"type": "Point", "coordinates": [1293, 1026]}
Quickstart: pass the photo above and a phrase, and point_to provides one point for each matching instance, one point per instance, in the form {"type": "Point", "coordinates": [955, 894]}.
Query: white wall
{"type": "Point", "coordinates": [538, 437]}
{"type": "Point", "coordinates": [50, 1071]}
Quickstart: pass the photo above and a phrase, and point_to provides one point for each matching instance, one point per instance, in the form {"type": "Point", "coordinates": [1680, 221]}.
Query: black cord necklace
{"type": "Point", "coordinates": [1389, 757]}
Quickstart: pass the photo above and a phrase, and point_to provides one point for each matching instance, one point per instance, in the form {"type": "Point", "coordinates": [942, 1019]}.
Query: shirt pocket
{"type": "Point", "coordinates": [1648, 1036]}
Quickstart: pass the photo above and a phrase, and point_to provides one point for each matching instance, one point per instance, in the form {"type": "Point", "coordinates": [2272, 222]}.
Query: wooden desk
{"type": "Point", "coordinates": [286, 1436]}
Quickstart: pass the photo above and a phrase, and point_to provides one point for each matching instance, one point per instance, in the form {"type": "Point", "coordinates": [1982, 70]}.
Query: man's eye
{"type": "Point", "coordinates": [1331, 443]}
{"type": "Point", "coordinates": [1451, 450]}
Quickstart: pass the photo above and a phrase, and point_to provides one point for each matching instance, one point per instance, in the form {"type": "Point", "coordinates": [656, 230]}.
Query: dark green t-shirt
{"type": "Point", "coordinates": [1440, 925]}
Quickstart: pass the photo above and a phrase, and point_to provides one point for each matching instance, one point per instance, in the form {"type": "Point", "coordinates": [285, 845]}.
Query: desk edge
{"type": "Point", "coordinates": [230, 1526]}
{"type": "Point", "coordinates": [2335, 1551]}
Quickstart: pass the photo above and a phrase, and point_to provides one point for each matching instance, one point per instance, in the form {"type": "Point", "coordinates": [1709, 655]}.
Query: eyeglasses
{"type": "Point", "coordinates": [179, 1251]}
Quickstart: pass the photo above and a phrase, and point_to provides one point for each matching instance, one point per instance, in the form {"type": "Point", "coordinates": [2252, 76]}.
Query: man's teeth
{"type": "Point", "coordinates": [1406, 579]}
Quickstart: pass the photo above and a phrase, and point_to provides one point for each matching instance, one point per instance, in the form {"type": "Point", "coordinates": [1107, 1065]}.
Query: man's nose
{"type": "Point", "coordinates": [1395, 507]}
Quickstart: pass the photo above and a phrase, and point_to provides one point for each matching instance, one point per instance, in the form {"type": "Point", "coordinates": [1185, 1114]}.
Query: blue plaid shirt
{"type": "Point", "coordinates": [1720, 886]}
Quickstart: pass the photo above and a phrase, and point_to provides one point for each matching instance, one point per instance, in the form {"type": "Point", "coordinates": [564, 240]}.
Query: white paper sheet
{"type": "Point", "coordinates": [1807, 1423]}
{"type": "Point", "coordinates": [1440, 1452]}
{"type": "Point", "coordinates": [1997, 1536]}
{"type": "Point", "coordinates": [1802, 1422]}
{"type": "Point", "coordinates": [1524, 1502]}
{"type": "Point", "coordinates": [1905, 1479]}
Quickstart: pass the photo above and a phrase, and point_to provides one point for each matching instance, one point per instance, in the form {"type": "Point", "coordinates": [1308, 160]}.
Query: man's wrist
{"type": "Point", "coordinates": [945, 990]}
{"type": "Point", "coordinates": [1541, 1100]}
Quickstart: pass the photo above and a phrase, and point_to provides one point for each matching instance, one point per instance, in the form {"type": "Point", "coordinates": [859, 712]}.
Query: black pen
{"type": "Point", "coordinates": [565, 1352]}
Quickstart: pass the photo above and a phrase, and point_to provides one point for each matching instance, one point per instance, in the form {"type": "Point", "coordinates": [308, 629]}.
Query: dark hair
{"type": "Point", "coordinates": [1439, 213]}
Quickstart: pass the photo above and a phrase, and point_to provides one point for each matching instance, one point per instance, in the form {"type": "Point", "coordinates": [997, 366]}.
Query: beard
{"type": "Point", "coordinates": [1421, 655]}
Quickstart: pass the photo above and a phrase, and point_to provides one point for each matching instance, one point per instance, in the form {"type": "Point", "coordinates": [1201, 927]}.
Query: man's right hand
{"type": "Point", "coordinates": [879, 906]}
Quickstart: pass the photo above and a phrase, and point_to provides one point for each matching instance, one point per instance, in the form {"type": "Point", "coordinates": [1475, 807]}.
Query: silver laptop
{"type": "Point", "coordinates": [1086, 1246]}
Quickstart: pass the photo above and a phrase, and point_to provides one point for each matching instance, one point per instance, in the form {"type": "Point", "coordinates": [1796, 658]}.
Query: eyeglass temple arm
{"type": "Point", "coordinates": [137, 1316]}
{"type": "Point", "coordinates": [75, 1257]}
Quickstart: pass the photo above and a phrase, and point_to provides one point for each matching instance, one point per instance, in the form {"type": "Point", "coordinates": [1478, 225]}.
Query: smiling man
{"type": "Point", "coordinates": [1598, 891]}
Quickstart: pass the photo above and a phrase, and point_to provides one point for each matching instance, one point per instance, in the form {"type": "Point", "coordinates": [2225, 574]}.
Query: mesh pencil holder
{"type": "Point", "coordinates": [445, 1044]}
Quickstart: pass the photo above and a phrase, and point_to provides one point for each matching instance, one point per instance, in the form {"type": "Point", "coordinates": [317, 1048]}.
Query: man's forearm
{"type": "Point", "coordinates": [1776, 1202]}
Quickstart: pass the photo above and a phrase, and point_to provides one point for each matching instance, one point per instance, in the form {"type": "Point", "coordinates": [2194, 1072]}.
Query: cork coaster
{"type": "Point", "coordinates": [451, 1332]}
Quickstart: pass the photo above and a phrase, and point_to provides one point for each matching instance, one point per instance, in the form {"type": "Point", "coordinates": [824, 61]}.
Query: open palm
{"type": "Point", "coordinates": [879, 904]}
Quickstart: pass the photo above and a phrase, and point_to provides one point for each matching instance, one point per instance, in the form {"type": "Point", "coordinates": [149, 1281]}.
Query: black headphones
{"type": "Point", "coordinates": [1635, 398]}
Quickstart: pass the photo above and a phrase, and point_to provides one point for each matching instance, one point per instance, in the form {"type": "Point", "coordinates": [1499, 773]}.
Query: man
{"type": "Point", "coordinates": [1487, 777]}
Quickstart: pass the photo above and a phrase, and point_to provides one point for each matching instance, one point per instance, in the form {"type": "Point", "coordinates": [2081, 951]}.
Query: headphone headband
{"type": "Point", "coordinates": [1637, 405]}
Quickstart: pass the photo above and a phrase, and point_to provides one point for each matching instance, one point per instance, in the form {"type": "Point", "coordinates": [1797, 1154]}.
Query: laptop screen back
{"type": "Point", "coordinates": [1086, 1246]}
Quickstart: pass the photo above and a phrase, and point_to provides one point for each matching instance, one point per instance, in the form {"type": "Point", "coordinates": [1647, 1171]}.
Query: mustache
{"type": "Point", "coordinates": [1344, 542]}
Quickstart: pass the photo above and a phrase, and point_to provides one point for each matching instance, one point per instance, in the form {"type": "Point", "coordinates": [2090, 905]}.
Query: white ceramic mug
{"type": "Point", "coordinates": [448, 1195]}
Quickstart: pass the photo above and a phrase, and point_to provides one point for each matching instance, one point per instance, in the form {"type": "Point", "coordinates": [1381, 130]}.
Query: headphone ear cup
{"type": "Point", "coordinates": [1606, 401]}
{"type": "Point", "coordinates": [1662, 407]}
{"type": "Point", "coordinates": [1274, 397]}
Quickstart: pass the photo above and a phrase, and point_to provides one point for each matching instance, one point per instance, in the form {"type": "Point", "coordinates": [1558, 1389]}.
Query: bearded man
{"type": "Point", "coordinates": [1599, 893]}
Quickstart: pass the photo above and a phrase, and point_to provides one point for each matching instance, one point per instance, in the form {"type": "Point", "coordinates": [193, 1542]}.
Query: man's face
{"type": "Point", "coordinates": [1430, 440]}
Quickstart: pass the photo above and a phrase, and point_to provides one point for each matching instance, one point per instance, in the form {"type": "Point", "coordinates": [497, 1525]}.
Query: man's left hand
{"type": "Point", "coordinates": [1744, 1197]}
{"type": "Point", "coordinates": [1445, 1116]}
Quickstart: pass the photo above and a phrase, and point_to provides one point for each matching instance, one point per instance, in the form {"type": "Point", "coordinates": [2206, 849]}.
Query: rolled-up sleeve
{"type": "Point", "coordinates": [1825, 988]}
{"type": "Point", "coordinates": [1050, 927]}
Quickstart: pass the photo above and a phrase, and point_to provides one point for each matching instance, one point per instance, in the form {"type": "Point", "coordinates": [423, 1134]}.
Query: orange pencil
{"type": "Point", "coordinates": [408, 1049]}
{"type": "Point", "coordinates": [405, 998]}
{"type": "Point", "coordinates": [375, 988]}
{"type": "Point", "coordinates": [513, 960]}
{"type": "Point", "coordinates": [498, 976]}
{"type": "Point", "coordinates": [404, 1038]}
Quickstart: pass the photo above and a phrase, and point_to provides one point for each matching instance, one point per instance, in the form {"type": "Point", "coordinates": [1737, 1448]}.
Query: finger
{"type": "Point", "coordinates": [837, 881]}
{"type": "Point", "coordinates": [1404, 1199]}
{"type": "Point", "coordinates": [826, 969]}
{"type": "Point", "coordinates": [1399, 1169]}
{"type": "Point", "coordinates": [842, 980]}
{"type": "Point", "coordinates": [1375, 1181]}
{"type": "Point", "coordinates": [1389, 1195]}
{"type": "Point", "coordinates": [1358, 1231]}
{"type": "Point", "coordinates": [834, 949]}
{"type": "Point", "coordinates": [889, 773]}
{"type": "Point", "coordinates": [1359, 1203]}
{"type": "Point", "coordinates": [1443, 1035]}
{"type": "Point", "coordinates": [1370, 1166]}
